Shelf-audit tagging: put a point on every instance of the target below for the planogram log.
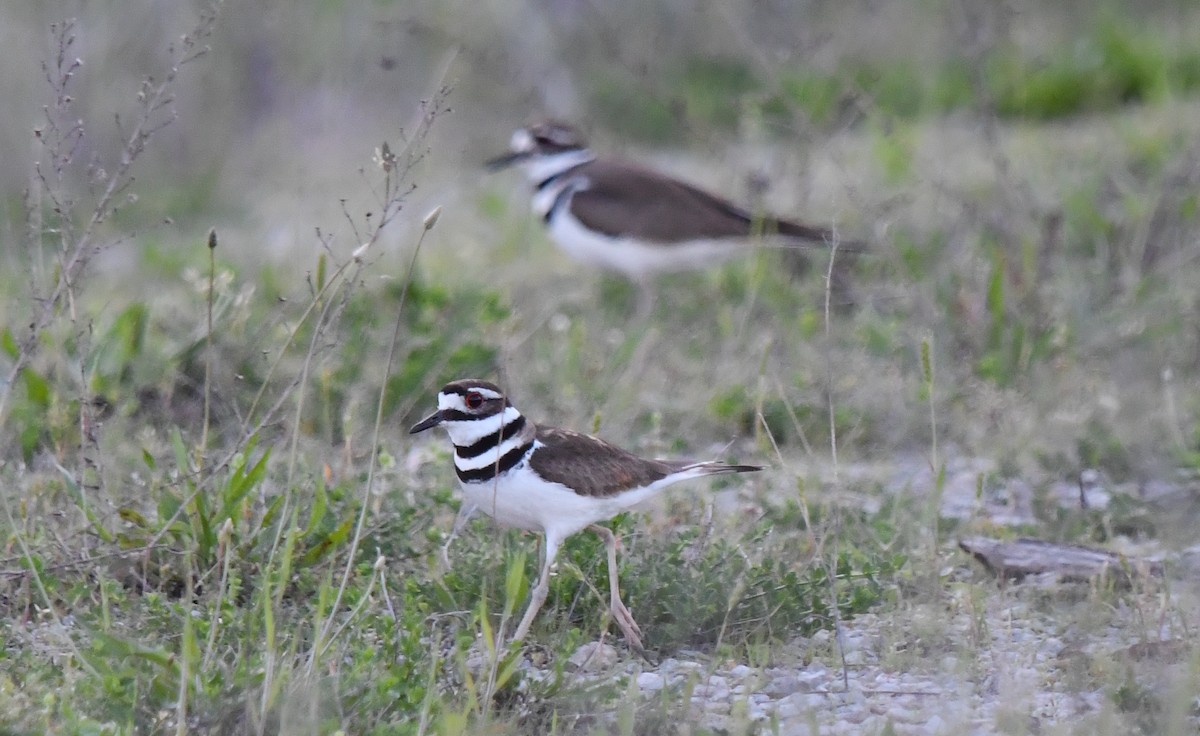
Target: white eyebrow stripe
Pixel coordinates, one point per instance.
(457, 401)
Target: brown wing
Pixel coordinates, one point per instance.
(626, 200)
(591, 466)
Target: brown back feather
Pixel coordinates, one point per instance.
(616, 190)
(591, 466)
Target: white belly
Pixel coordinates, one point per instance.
(639, 260)
(523, 500)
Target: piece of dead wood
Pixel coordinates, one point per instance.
(1168, 651)
(1021, 557)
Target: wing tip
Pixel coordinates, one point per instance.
(719, 468)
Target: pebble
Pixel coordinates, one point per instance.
(741, 672)
(717, 690)
(924, 695)
(906, 715)
(783, 685)
(799, 703)
(593, 657)
(757, 712)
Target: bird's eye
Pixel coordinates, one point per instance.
(474, 399)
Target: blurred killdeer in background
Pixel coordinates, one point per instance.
(550, 480)
(632, 220)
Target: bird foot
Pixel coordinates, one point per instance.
(629, 627)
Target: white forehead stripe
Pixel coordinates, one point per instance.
(521, 141)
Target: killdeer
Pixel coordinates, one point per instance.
(549, 480)
(629, 219)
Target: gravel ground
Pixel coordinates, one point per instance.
(974, 655)
(1013, 666)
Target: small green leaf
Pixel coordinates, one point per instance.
(926, 362)
(37, 388)
(335, 538)
(513, 581)
(317, 513)
(8, 344)
(133, 517)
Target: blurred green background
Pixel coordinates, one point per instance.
(1017, 167)
(1025, 173)
(294, 94)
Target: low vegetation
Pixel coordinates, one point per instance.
(213, 521)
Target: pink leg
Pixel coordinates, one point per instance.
(620, 613)
(540, 591)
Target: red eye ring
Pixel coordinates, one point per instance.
(474, 399)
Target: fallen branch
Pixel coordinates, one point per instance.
(1018, 558)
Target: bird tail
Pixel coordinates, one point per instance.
(699, 470)
(790, 229)
(797, 230)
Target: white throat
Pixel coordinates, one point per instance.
(539, 168)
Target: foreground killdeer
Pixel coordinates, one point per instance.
(632, 220)
(550, 480)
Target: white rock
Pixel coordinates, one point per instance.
(712, 691)
(799, 728)
(799, 704)
(853, 641)
(779, 687)
(650, 681)
(856, 657)
(788, 708)
(593, 657)
(906, 715)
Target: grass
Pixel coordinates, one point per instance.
(1113, 63)
(212, 519)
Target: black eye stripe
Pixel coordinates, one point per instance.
(454, 415)
(489, 408)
